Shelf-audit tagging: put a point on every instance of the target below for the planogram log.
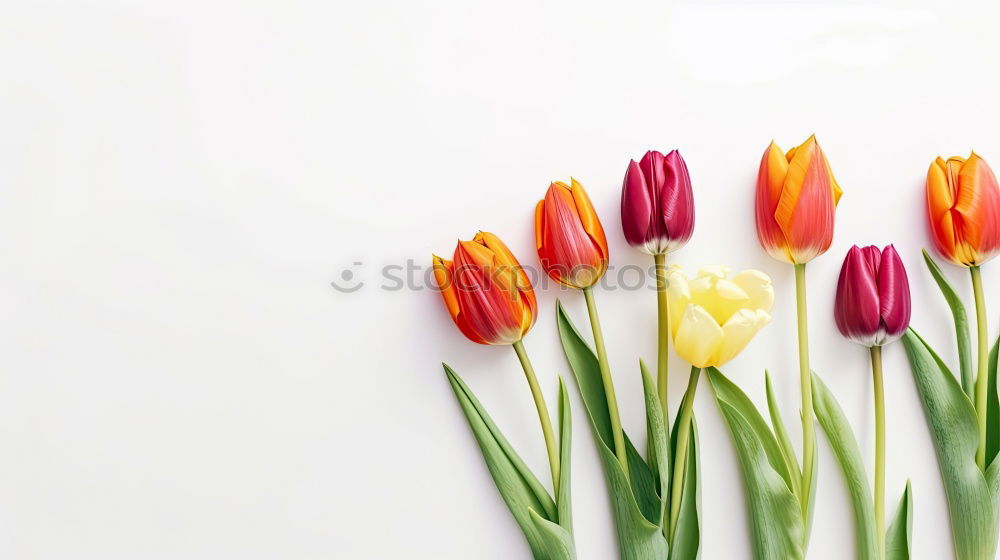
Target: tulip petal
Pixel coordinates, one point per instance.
(770, 180)
(698, 337)
(678, 295)
(856, 310)
(893, 295)
(511, 275)
(444, 278)
(737, 331)
(588, 217)
(758, 288)
(637, 207)
(676, 202)
(977, 210)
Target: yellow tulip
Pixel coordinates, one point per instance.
(714, 315)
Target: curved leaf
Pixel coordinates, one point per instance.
(845, 448)
(639, 538)
(954, 429)
(784, 442)
(992, 408)
(687, 534)
(900, 532)
(564, 507)
(961, 325)
(656, 440)
(776, 522)
(529, 503)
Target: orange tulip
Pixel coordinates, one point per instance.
(569, 237)
(963, 206)
(486, 291)
(796, 199)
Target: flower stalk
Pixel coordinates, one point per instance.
(876, 355)
(551, 446)
(663, 336)
(805, 378)
(609, 386)
(982, 375)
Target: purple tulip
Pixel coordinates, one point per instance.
(873, 297)
(657, 204)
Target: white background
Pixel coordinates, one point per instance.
(181, 181)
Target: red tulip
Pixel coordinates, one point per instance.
(486, 291)
(796, 200)
(873, 296)
(657, 204)
(570, 240)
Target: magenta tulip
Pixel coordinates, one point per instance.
(873, 296)
(657, 204)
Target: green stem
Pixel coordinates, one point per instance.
(663, 337)
(982, 376)
(609, 385)
(876, 352)
(680, 457)
(543, 415)
(805, 380)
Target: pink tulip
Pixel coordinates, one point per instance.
(873, 297)
(657, 204)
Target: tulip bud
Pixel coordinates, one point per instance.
(796, 199)
(873, 296)
(486, 291)
(963, 207)
(714, 316)
(657, 204)
(569, 237)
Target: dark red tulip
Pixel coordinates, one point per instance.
(873, 296)
(657, 204)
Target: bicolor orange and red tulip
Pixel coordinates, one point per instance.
(963, 207)
(872, 306)
(568, 235)
(486, 291)
(797, 196)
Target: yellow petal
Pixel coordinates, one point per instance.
(698, 337)
(757, 286)
(678, 295)
(737, 333)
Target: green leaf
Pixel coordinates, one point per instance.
(785, 443)
(656, 440)
(954, 429)
(687, 534)
(900, 532)
(961, 325)
(639, 538)
(527, 499)
(992, 408)
(845, 448)
(776, 523)
(564, 506)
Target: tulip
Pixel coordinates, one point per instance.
(574, 252)
(795, 203)
(657, 204)
(569, 237)
(658, 218)
(872, 308)
(713, 317)
(491, 300)
(796, 199)
(873, 297)
(486, 291)
(963, 208)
